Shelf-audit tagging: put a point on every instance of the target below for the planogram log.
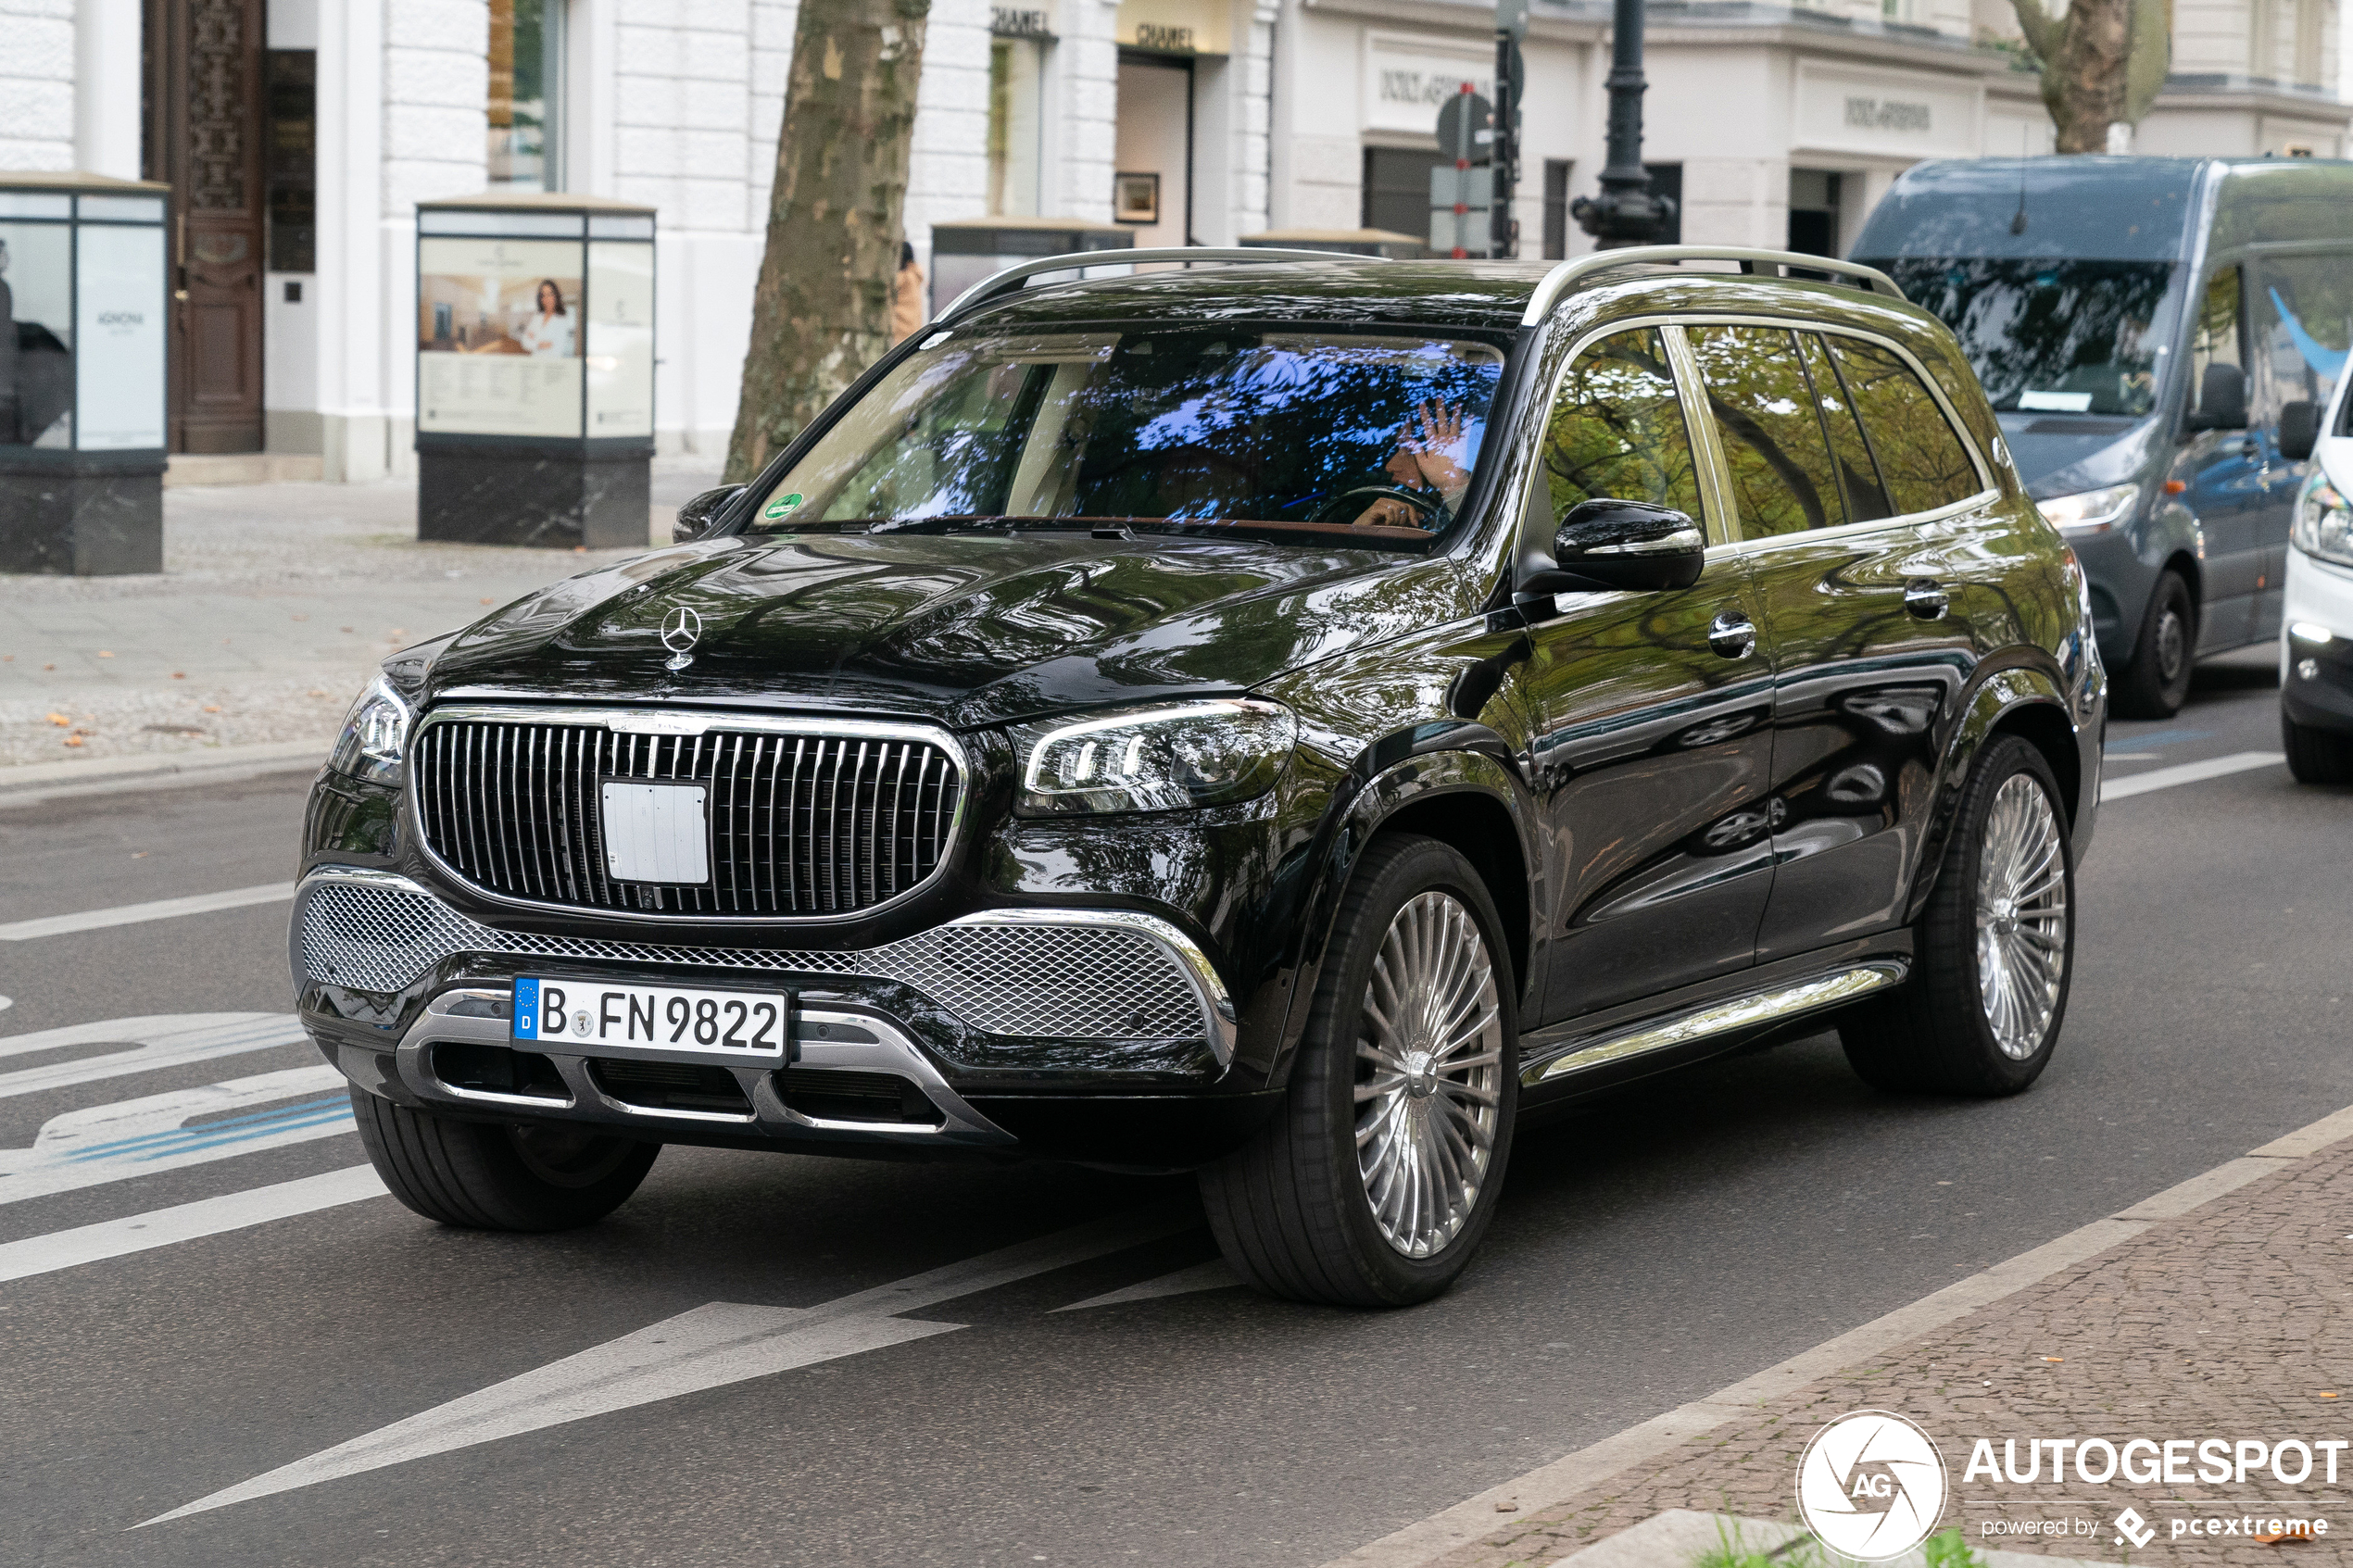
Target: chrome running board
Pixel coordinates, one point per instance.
(1716, 1018)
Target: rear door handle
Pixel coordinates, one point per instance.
(1925, 598)
(1732, 634)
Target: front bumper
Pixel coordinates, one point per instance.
(2316, 678)
(1036, 1013)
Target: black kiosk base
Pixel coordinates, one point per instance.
(556, 495)
(84, 515)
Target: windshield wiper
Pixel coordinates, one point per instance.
(976, 523)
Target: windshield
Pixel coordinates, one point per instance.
(1308, 434)
(2060, 337)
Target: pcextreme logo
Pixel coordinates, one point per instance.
(1871, 1485)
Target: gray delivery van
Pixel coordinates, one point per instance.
(2157, 335)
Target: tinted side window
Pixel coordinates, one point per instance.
(1616, 429)
(1774, 448)
(1921, 461)
(1857, 469)
(2304, 325)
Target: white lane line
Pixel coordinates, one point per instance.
(139, 1137)
(2189, 773)
(1215, 1274)
(708, 1347)
(132, 914)
(185, 1221)
(151, 1042)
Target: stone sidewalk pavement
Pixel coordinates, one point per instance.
(275, 603)
(2232, 1321)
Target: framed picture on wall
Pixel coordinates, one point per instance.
(1135, 199)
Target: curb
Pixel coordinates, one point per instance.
(1680, 1536)
(33, 783)
(1475, 1518)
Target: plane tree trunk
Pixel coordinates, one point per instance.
(821, 313)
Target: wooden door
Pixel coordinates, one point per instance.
(205, 137)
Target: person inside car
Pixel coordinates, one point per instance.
(1428, 461)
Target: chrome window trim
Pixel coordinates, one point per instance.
(1724, 514)
(679, 721)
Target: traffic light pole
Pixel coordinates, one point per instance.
(1511, 26)
(1627, 212)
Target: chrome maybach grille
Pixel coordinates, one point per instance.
(1059, 982)
(801, 825)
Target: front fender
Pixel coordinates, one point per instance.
(1397, 775)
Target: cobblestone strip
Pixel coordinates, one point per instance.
(2234, 1279)
(2232, 1319)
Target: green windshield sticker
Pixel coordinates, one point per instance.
(783, 505)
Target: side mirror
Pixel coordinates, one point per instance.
(1631, 544)
(2300, 429)
(697, 516)
(2221, 400)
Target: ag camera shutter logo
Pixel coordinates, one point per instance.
(1871, 1485)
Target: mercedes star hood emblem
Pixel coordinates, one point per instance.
(681, 630)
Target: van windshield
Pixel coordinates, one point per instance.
(1310, 435)
(2047, 336)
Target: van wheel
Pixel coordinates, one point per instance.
(488, 1176)
(2317, 757)
(1995, 950)
(1374, 1184)
(2158, 681)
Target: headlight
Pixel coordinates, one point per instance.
(374, 737)
(2324, 524)
(1160, 760)
(2090, 513)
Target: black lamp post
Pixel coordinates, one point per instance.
(1625, 213)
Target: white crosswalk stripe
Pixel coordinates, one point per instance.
(150, 1042)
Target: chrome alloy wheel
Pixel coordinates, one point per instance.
(2022, 916)
(1429, 1066)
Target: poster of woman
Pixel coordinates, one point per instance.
(498, 339)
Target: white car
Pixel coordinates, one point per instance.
(2316, 625)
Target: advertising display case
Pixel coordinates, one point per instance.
(82, 354)
(534, 369)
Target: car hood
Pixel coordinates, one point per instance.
(968, 630)
(2060, 454)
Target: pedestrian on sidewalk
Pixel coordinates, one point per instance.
(906, 297)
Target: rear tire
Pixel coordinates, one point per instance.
(1375, 1184)
(1995, 951)
(497, 1177)
(2317, 757)
(2164, 657)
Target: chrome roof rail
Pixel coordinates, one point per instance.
(1011, 278)
(1558, 281)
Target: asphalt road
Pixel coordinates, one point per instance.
(1653, 1250)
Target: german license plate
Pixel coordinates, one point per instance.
(672, 1022)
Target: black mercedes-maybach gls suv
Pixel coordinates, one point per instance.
(1288, 719)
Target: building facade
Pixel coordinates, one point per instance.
(298, 135)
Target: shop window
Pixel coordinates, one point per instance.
(1813, 211)
(526, 77)
(291, 160)
(1397, 188)
(1556, 170)
(1016, 93)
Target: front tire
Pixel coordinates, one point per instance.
(1376, 1183)
(2164, 657)
(1995, 951)
(487, 1176)
(2314, 756)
